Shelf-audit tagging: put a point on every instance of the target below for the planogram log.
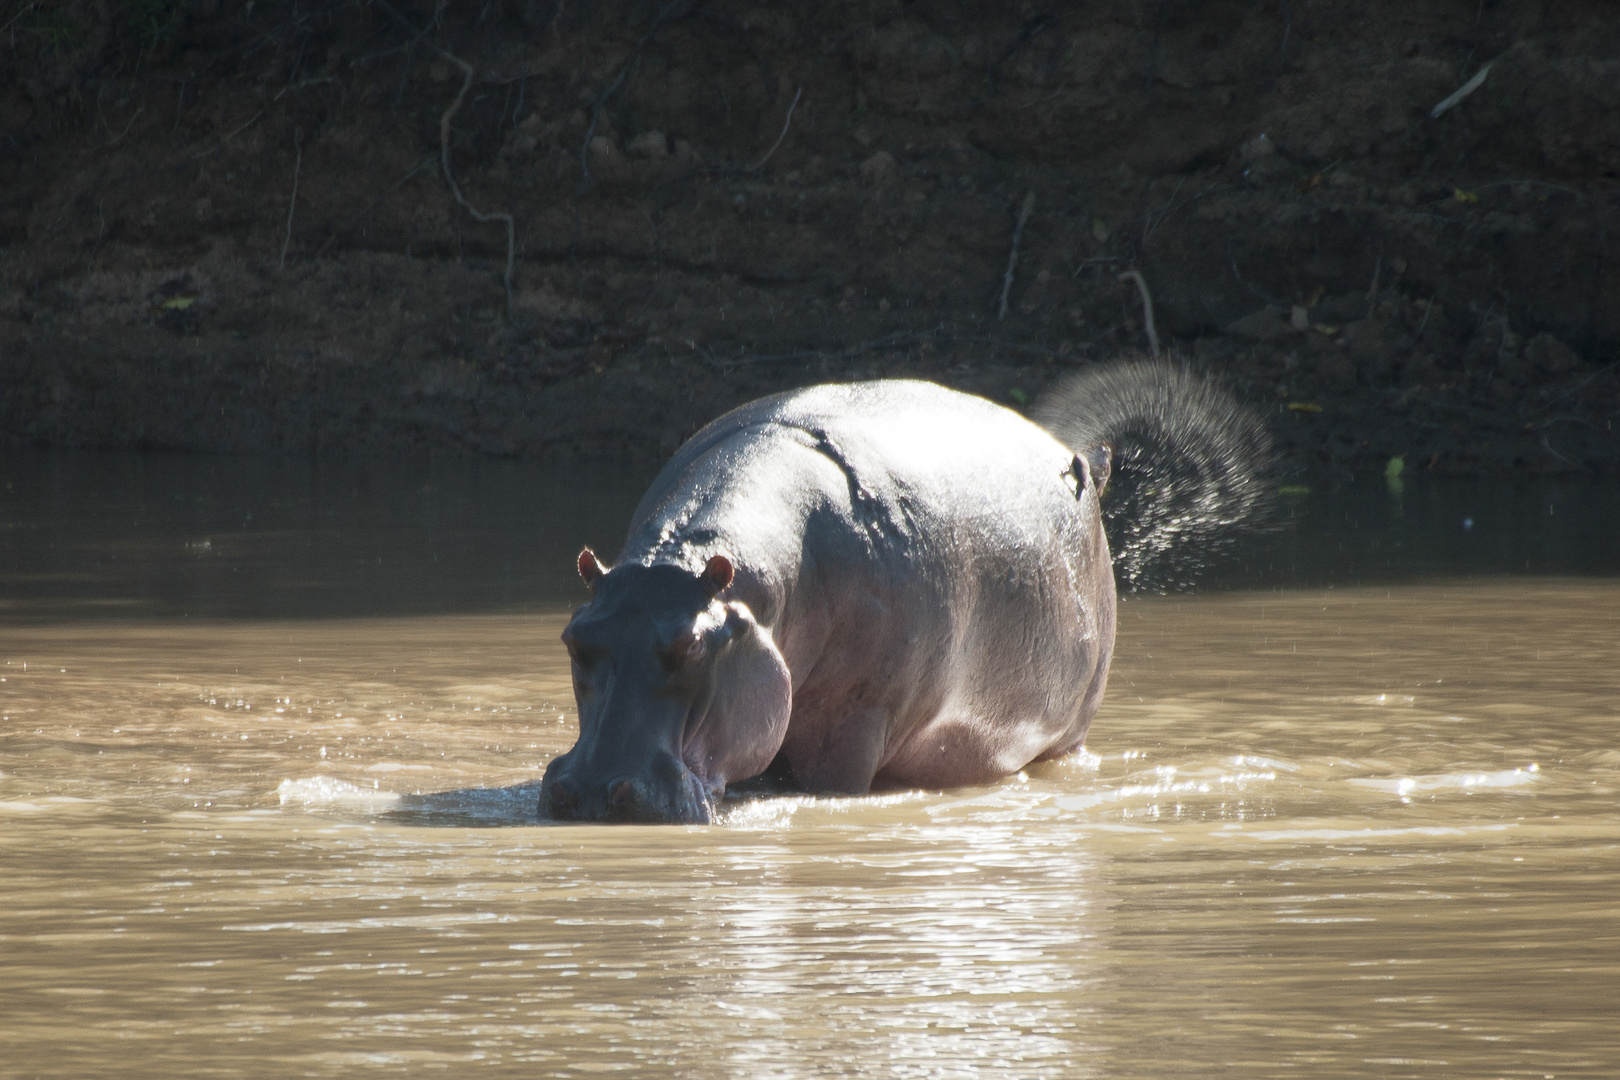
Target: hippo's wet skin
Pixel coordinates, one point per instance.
(879, 584)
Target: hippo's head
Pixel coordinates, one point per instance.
(679, 694)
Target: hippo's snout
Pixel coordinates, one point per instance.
(665, 793)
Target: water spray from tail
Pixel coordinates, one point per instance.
(1189, 467)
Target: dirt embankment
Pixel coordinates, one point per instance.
(226, 226)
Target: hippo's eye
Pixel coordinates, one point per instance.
(581, 654)
(685, 650)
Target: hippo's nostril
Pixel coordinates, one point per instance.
(622, 794)
(563, 797)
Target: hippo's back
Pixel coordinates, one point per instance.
(908, 432)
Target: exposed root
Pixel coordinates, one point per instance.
(1012, 257)
(444, 150)
(1147, 308)
(455, 189)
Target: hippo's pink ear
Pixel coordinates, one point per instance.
(590, 568)
(717, 575)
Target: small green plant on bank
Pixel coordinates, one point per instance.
(51, 24)
(153, 20)
(58, 27)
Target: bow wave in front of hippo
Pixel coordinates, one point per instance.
(884, 584)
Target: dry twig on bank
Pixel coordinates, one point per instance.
(761, 162)
(116, 139)
(1467, 88)
(444, 151)
(1427, 310)
(1147, 308)
(219, 148)
(292, 204)
(1012, 258)
(455, 189)
(1153, 221)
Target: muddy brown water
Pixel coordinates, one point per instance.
(266, 810)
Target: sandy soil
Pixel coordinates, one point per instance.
(225, 227)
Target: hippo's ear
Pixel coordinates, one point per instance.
(591, 569)
(1100, 461)
(717, 575)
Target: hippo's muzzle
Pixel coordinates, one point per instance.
(663, 791)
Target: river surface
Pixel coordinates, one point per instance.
(271, 735)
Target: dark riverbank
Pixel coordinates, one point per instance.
(773, 196)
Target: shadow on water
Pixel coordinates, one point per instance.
(1379, 530)
(518, 804)
(155, 536)
(168, 536)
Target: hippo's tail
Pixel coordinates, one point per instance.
(1188, 466)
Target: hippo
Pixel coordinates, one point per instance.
(871, 585)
